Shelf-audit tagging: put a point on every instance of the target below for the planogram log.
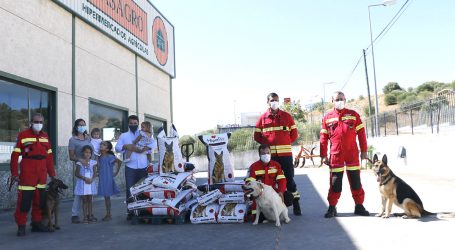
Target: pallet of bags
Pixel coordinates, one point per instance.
(232, 213)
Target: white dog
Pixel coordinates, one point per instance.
(267, 201)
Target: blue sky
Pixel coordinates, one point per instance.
(230, 54)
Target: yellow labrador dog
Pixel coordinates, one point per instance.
(267, 201)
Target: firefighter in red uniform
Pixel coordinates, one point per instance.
(37, 161)
(277, 129)
(268, 172)
(341, 127)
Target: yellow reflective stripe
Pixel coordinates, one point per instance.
(259, 172)
(276, 128)
(26, 188)
(43, 140)
(25, 140)
(282, 146)
(41, 186)
(351, 168)
(331, 120)
(253, 211)
(335, 170)
(281, 176)
(296, 194)
(258, 130)
(293, 127)
(17, 150)
(272, 171)
(324, 131)
(359, 127)
(250, 179)
(348, 117)
(49, 151)
(284, 151)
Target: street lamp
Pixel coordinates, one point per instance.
(376, 110)
(323, 97)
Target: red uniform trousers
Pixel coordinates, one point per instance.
(337, 163)
(31, 190)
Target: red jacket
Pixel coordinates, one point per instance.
(270, 174)
(32, 146)
(341, 127)
(278, 131)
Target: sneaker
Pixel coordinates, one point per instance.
(360, 210)
(92, 219)
(331, 212)
(21, 231)
(75, 220)
(296, 207)
(38, 227)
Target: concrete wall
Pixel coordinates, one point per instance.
(36, 45)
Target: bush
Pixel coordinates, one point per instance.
(390, 99)
(391, 86)
(366, 110)
(361, 97)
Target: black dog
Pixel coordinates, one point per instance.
(50, 212)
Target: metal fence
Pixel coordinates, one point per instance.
(423, 117)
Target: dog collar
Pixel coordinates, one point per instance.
(387, 180)
(259, 195)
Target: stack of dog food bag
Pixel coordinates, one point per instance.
(168, 188)
(221, 200)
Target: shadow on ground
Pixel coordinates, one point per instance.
(309, 231)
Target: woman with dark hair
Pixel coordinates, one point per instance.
(79, 139)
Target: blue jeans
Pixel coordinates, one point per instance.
(132, 176)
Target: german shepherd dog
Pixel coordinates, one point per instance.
(51, 211)
(218, 168)
(168, 161)
(394, 190)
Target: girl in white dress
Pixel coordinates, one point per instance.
(86, 172)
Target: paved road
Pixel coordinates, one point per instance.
(310, 231)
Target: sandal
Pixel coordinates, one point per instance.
(85, 221)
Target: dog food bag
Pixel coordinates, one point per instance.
(190, 204)
(175, 203)
(232, 213)
(160, 193)
(204, 214)
(236, 197)
(220, 168)
(165, 210)
(208, 198)
(171, 181)
(170, 156)
(224, 187)
(143, 184)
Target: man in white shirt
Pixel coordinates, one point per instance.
(136, 168)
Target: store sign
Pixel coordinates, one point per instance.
(134, 23)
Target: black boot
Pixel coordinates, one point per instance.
(360, 210)
(331, 212)
(296, 207)
(38, 227)
(21, 230)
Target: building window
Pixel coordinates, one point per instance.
(156, 125)
(111, 121)
(17, 104)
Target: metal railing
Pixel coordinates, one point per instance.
(422, 117)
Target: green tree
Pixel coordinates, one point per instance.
(391, 86)
(296, 111)
(366, 110)
(429, 86)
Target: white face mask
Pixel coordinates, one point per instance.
(339, 105)
(274, 105)
(37, 127)
(265, 158)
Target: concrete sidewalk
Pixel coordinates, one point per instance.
(310, 231)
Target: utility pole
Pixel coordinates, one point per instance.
(368, 89)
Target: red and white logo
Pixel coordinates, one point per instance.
(160, 41)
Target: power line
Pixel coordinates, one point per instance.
(380, 36)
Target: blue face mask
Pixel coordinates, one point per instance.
(81, 129)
